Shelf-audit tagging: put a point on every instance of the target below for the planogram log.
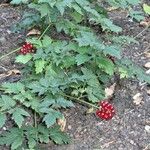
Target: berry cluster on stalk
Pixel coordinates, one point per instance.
(27, 48)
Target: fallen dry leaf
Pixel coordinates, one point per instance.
(90, 110)
(62, 123)
(13, 72)
(145, 23)
(148, 92)
(112, 8)
(9, 73)
(147, 65)
(137, 99)
(34, 32)
(147, 54)
(110, 91)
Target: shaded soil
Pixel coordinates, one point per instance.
(126, 131)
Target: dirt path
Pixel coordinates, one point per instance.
(126, 131)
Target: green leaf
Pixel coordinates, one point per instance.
(39, 65)
(2, 119)
(32, 135)
(61, 102)
(137, 15)
(58, 136)
(113, 51)
(14, 87)
(94, 89)
(50, 2)
(146, 8)
(81, 59)
(106, 64)
(62, 4)
(46, 41)
(6, 102)
(13, 137)
(43, 134)
(19, 2)
(51, 116)
(123, 72)
(36, 87)
(43, 8)
(23, 58)
(18, 116)
(107, 24)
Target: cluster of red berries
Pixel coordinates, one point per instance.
(106, 110)
(26, 48)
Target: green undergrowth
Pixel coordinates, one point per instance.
(73, 68)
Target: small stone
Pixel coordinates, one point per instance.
(4, 128)
(69, 127)
(147, 128)
(147, 65)
(2, 40)
(132, 142)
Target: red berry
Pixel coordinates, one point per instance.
(27, 48)
(106, 110)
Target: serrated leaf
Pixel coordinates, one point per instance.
(59, 137)
(32, 135)
(46, 41)
(6, 102)
(13, 137)
(50, 2)
(113, 51)
(80, 59)
(13, 87)
(146, 8)
(107, 24)
(61, 5)
(36, 87)
(19, 1)
(51, 116)
(18, 116)
(43, 8)
(123, 72)
(23, 58)
(39, 65)
(2, 119)
(43, 134)
(61, 102)
(106, 64)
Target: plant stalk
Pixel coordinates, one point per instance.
(82, 101)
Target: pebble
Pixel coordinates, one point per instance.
(69, 127)
(147, 128)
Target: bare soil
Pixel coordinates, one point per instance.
(126, 131)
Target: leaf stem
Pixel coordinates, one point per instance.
(35, 121)
(44, 31)
(3, 56)
(82, 101)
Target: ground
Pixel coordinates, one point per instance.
(126, 131)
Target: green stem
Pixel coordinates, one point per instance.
(10, 53)
(82, 101)
(44, 31)
(35, 121)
